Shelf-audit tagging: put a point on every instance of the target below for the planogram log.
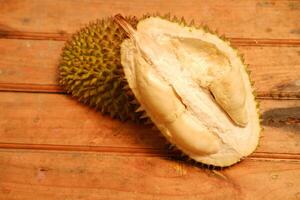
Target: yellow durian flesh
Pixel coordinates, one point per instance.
(216, 131)
(212, 69)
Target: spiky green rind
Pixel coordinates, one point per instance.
(90, 69)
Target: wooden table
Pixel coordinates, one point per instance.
(52, 147)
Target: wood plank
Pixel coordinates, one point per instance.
(275, 70)
(281, 123)
(57, 122)
(60, 175)
(29, 62)
(29, 65)
(60, 120)
(237, 19)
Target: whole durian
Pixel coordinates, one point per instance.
(90, 69)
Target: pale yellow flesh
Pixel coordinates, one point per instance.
(163, 70)
(213, 70)
(167, 108)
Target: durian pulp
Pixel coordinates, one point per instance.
(221, 141)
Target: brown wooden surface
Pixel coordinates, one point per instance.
(52, 147)
(75, 175)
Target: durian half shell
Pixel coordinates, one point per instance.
(194, 87)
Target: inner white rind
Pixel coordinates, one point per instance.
(236, 142)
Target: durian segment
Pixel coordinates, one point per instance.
(157, 94)
(229, 92)
(90, 69)
(213, 70)
(154, 43)
(170, 113)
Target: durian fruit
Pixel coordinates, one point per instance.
(194, 87)
(90, 69)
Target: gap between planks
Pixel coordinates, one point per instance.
(145, 152)
(66, 36)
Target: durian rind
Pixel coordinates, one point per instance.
(90, 69)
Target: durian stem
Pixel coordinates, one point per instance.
(123, 23)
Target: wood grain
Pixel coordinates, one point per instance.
(281, 123)
(237, 19)
(52, 119)
(30, 65)
(52, 147)
(29, 62)
(275, 70)
(61, 175)
(57, 119)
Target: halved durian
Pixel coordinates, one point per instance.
(194, 87)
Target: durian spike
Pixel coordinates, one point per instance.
(144, 116)
(192, 23)
(167, 16)
(139, 109)
(149, 122)
(154, 128)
